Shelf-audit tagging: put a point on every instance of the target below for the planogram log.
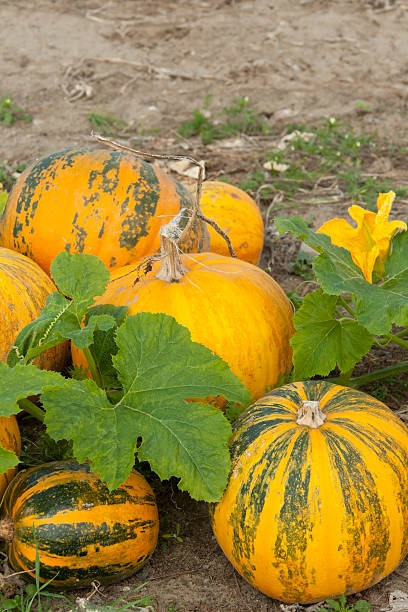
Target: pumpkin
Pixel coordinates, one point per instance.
(316, 504)
(230, 306)
(238, 215)
(10, 440)
(106, 203)
(24, 287)
(82, 531)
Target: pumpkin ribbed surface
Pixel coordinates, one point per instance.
(83, 532)
(232, 307)
(24, 288)
(10, 440)
(106, 203)
(315, 513)
(238, 215)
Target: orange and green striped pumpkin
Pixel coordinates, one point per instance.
(24, 288)
(10, 440)
(82, 531)
(103, 202)
(238, 215)
(317, 500)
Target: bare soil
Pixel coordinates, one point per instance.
(152, 63)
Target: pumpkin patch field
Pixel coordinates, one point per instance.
(204, 306)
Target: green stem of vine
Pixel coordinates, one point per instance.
(95, 373)
(395, 338)
(31, 408)
(344, 378)
(346, 306)
(364, 379)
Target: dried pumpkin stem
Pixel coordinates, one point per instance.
(7, 529)
(172, 268)
(311, 414)
(219, 230)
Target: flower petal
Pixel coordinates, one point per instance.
(371, 239)
(340, 231)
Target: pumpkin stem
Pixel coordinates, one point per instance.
(311, 414)
(7, 529)
(172, 268)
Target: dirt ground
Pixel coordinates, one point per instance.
(152, 63)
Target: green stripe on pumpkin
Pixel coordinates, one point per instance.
(251, 497)
(359, 491)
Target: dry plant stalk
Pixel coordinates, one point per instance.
(196, 212)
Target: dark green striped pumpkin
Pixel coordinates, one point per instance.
(317, 500)
(82, 531)
(106, 203)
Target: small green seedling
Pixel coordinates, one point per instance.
(340, 605)
(107, 125)
(174, 536)
(239, 118)
(11, 113)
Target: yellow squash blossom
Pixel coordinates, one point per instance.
(369, 242)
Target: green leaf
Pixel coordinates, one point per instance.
(164, 359)
(20, 382)
(159, 367)
(323, 341)
(80, 277)
(104, 344)
(362, 606)
(8, 460)
(84, 336)
(334, 605)
(336, 262)
(379, 306)
(40, 334)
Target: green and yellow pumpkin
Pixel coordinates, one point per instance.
(24, 288)
(103, 202)
(82, 531)
(317, 500)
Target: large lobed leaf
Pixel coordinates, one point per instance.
(323, 341)
(159, 368)
(17, 384)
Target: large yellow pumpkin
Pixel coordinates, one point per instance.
(24, 288)
(106, 203)
(317, 500)
(231, 306)
(238, 215)
(10, 440)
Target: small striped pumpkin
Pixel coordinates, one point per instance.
(10, 440)
(24, 288)
(82, 531)
(317, 500)
(106, 203)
